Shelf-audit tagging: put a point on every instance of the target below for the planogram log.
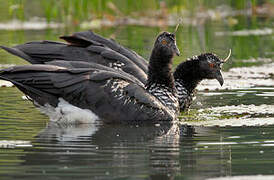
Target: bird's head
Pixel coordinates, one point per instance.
(166, 44)
(211, 65)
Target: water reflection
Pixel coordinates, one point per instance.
(171, 151)
(106, 151)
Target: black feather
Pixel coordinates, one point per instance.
(113, 95)
(90, 47)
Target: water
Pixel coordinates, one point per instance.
(126, 152)
(33, 148)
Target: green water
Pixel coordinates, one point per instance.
(100, 151)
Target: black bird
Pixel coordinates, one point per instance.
(191, 72)
(90, 47)
(112, 95)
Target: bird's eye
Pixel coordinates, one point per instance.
(211, 65)
(164, 42)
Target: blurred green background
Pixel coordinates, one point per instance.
(77, 11)
(245, 26)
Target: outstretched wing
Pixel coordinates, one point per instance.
(45, 51)
(89, 38)
(110, 95)
(82, 64)
(39, 52)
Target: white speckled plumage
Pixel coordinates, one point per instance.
(181, 90)
(116, 65)
(165, 96)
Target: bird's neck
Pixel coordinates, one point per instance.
(188, 74)
(160, 71)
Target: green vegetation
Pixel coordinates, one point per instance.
(76, 11)
(197, 35)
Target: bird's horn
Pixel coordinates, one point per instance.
(227, 56)
(176, 28)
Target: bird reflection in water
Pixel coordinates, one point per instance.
(104, 150)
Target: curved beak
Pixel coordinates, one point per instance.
(219, 77)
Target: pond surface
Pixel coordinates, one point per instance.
(32, 148)
(100, 151)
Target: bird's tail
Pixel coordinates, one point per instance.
(17, 52)
(35, 95)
